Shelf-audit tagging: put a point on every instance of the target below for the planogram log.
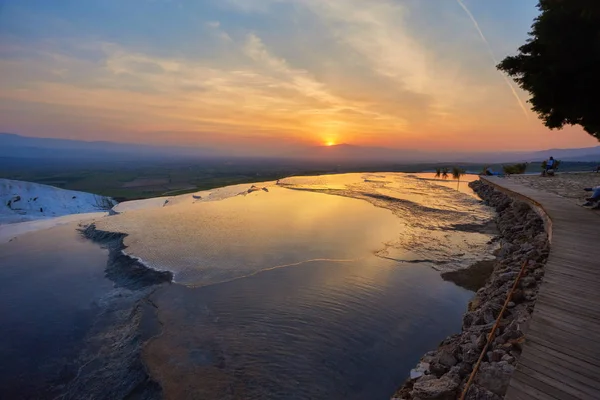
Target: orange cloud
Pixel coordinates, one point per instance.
(372, 82)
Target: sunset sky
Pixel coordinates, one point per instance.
(263, 75)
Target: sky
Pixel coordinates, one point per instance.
(260, 76)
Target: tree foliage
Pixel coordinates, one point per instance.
(559, 65)
(457, 173)
(445, 171)
(515, 168)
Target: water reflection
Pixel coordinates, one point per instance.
(323, 331)
(204, 243)
(318, 288)
(441, 226)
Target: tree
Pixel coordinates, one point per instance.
(559, 64)
(445, 171)
(515, 168)
(438, 172)
(457, 173)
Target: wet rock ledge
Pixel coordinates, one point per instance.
(123, 270)
(110, 363)
(443, 373)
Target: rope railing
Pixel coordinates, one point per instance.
(491, 334)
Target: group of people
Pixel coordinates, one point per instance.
(593, 201)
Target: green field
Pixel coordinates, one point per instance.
(144, 181)
(129, 181)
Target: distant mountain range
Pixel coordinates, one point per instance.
(383, 154)
(17, 146)
(583, 154)
(23, 147)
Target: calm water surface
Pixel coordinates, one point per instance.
(205, 243)
(286, 293)
(51, 283)
(320, 331)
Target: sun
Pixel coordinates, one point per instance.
(330, 143)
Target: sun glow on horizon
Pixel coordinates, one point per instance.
(246, 78)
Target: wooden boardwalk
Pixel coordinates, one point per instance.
(561, 354)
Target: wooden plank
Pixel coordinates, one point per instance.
(572, 344)
(575, 227)
(563, 355)
(573, 221)
(568, 303)
(567, 339)
(571, 253)
(571, 236)
(574, 271)
(551, 283)
(573, 288)
(567, 249)
(561, 280)
(563, 272)
(580, 239)
(534, 337)
(521, 391)
(544, 311)
(590, 307)
(523, 380)
(573, 261)
(563, 373)
(570, 278)
(578, 288)
(575, 329)
(578, 268)
(577, 281)
(576, 264)
(563, 362)
(574, 309)
(555, 387)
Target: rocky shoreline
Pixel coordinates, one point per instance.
(442, 374)
(110, 364)
(123, 270)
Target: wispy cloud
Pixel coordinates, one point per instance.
(265, 71)
(403, 77)
(263, 95)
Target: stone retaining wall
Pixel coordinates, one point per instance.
(441, 374)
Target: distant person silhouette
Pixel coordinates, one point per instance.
(490, 172)
(550, 164)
